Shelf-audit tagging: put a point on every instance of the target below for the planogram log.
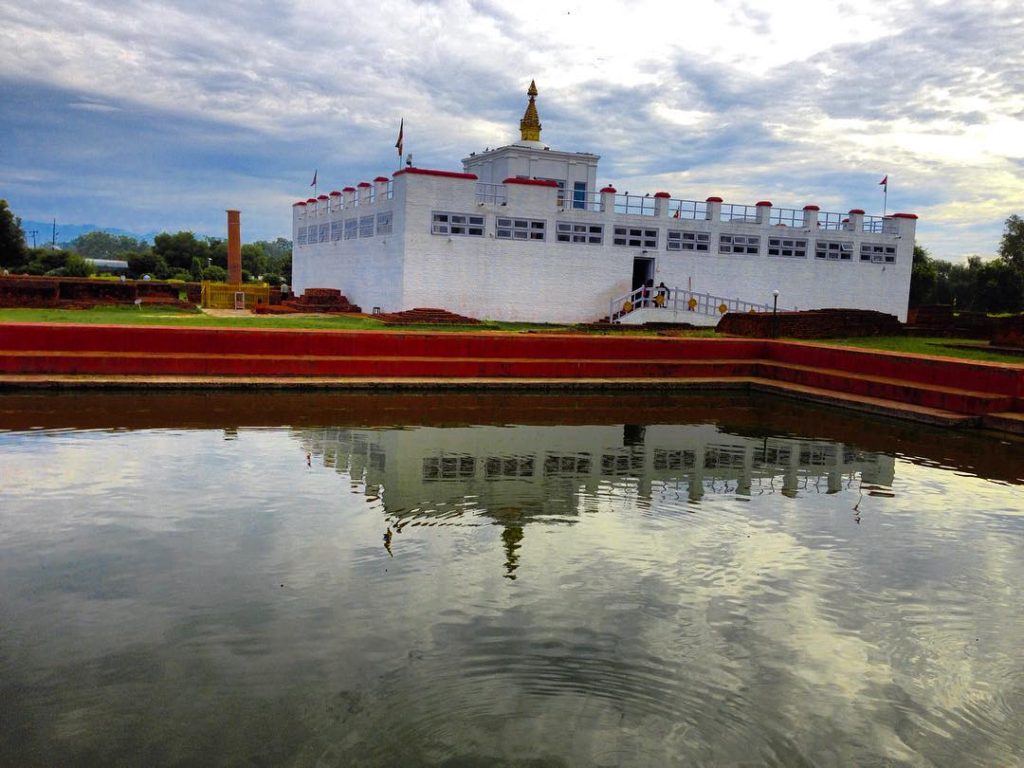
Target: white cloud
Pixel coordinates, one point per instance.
(739, 96)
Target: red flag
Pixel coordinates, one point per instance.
(401, 138)
(885, 181)
(313, 182)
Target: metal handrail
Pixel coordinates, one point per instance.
(694, 210)
(678, 300)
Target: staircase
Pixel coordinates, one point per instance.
(937, 390)
(676, 306)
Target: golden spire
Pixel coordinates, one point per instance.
(529, 126)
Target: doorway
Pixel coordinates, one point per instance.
(643, 270)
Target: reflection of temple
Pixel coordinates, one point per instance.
(513, 474)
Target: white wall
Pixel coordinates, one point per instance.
(548, 281)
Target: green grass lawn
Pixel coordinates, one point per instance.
(120, 315)
(926, 345)
(155, 315)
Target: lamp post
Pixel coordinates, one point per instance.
(775, 313)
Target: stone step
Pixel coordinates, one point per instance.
(953, 399)
(881, 406)
(1006, 421)
(198, 364)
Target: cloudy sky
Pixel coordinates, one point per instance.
(154, 116)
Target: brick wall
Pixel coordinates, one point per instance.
(1008, 332)
(21, 291)
(813, 324)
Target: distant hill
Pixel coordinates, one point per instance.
(68, 232)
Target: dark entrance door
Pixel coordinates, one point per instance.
(643, 270)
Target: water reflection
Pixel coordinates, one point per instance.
(512, 475)
(575, 581)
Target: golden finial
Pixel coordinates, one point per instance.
(529, 126)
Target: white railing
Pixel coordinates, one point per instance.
(786, 217)
(637, 205)
(491, 194)
(580, 201)
(737, 213)
(692, 210)
(834, 221)
(679, 300)
(874, 224)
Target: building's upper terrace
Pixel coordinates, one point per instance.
(515, 194)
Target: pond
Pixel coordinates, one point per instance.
(503, 580)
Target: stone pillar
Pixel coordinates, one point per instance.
(234, 247)
(661, 204)
(764, 212)
(856, 220)
(811, 217)
(382, 188)
(714, 209)
(336, 204)
(906, 224)
(608, 199)
(364, 192)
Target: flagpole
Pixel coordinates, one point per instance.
(885, 199)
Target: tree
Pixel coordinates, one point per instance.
(215, 274)
(103, 245)
(178, 250)
(1011, 249)
(923, 278)
(254, 259)
(76, 266)
(148, 263)
(12, 238)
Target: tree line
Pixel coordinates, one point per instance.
(995, 286)
(179, 256)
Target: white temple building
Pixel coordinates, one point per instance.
(522, 232)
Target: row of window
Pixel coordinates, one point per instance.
(348, 229)
(625, 461)
(511, 228)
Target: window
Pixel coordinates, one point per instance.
(384, 223)
(457, 224)
(688, 241)
(508, 467)
(579, 195)
(519, 229)
(636, 237)
(787, 246)
(325, 232)
(351, 228)
(724, 456)
(448, 468)
(879, 254)
(835, 250)
(300, 236)
(570, 232)
(570, 465)
(336, 230)
(739, 244)
(622, 463)
(366, 226)
(672, 459)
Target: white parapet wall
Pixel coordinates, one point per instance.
(523, 249)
